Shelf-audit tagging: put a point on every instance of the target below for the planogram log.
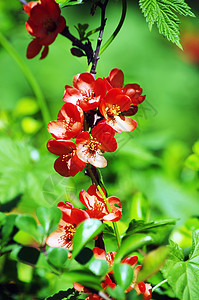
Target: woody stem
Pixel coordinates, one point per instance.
(99, 41)
(106, 202)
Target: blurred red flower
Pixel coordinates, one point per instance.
(97, 208)
(44, 23)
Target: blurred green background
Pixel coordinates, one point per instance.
(154, 160)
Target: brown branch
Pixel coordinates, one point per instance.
(99, 41)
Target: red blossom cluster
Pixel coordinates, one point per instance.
(94, 110)
(141, 288)
(44, 23)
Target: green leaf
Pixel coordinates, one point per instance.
(123, 274)
(152, 263)
(2, 218)
(57, 257)
(136, 226)
(7, 229)
(29, 225)
(139, 207)
(116, 292)
(164, 14)
(132, 243)
(196, 147)
(69, 2)
(183, 274)
(85, 232)
(49, 218)
(99, 267)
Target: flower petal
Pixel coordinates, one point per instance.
(116, 78)
(33, 48)
(60, 147)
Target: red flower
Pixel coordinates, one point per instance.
(112, 107)
(86, 91)
(90, 147)
(97, 208)
(44, 23)
(68, 163)
(69, 122)
(71, 218)
(141, 287)
(116, 80)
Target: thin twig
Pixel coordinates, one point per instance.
(87, 48)
(99, 41)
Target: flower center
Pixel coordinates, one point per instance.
(87, 95)
(68, 235)
(50, 26)
(66, 157)
(67, 124)
(113, 111)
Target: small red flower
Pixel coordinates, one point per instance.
(116, 80)
(97, 208)
(68, 163)
(71, 218)
(69, 122)
(44, 23)
(90, 147)
(86, 91)
(112, 107)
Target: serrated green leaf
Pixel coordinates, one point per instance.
(183, 274)
(123, 274)
(29, 225)
(57, 257)
(164, 14)
(49, 218)
(132, 243)
(152, 263)
(85, 232)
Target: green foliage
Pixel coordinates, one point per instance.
(132, 243)
(63, 3)
(140, 207)
(182, 273)
(99, 267)
(136, 226)
(123, 274)
(116, 293)
(71, 294)
(152, 263)
(49, 218)
(164, 13)
(192, 160)
(86, 231)
(57, 257)
(29, 225)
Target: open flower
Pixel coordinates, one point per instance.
(141, 288)
(112, 107)
(68, 163)
(71, 218)
(86, 91)
(90, 147)
(44, 23)
(116, 80)
(69, 122)
(96, 206)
